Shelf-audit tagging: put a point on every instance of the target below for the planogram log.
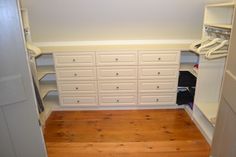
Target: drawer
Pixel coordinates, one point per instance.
(81, 100)
(117, 86)
(116, 58)
(77, 87)
(159, 57)
(82, 73)
(74, 59)
(117, 73)
(158, 86)
(155, 72)
(157, 99)
(118, 100)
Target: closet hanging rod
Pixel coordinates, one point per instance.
(210, 29)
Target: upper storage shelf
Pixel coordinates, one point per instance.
(224, 26)
(221, 5)
(219, 15)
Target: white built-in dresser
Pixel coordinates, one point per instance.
(117, 78)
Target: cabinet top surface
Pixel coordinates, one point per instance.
(148, 47)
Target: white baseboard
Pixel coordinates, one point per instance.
(61, 108)
(203, 125)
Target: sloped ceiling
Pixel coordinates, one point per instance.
(91, 20)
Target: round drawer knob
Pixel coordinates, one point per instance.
(159, 59)
(117, 88)
(117, 100)
(78, 101)
(75, 74)
(76, 88)
(158, 87)
(157, 100)
(74, 60)
(117, 74)
(158, 73)
(117, 59)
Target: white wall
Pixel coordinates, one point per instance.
(82, 20)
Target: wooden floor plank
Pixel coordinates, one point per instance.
(149, 133)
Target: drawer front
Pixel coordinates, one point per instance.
(148, 72)
(157, 98)
(81, 100)
(118, 100)
(117, 87)
(116, 58)
(78, 87)
(157, 86)
(117, 73)
(75, 59)
(158, 57)
(76, 74)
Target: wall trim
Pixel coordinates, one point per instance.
(114, 42)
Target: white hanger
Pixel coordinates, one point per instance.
(213, 42)
(194, 46)
(216, 52)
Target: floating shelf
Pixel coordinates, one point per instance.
(188, 67)
(209, 110)
(44, 70)
(223, 26)
(46, 87)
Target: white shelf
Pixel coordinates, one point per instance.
(188, 67)
(50, 103)
(188, 110)
(44, 70)
(46, 87)
(209, 110)
(223, 26)
(221, 5)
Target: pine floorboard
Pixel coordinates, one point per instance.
(128, 133)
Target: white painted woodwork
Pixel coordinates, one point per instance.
(118, 99)
(80, 87)
(157, 98)
(117, 73)
(158, 57)
(224, 142)
(20, 132)
(6, 147)
(116, 58)
(211, 72)
(46, 86)
(115, 80)
(229, 86)
(82, 73)
(157, 72)
(224, 138)
(13, 90)
(219, 16)
(127, 86)
(79, 100)
(157, 85)
(75, 59)
(43, 70)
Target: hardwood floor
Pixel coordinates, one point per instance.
(133, 133)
